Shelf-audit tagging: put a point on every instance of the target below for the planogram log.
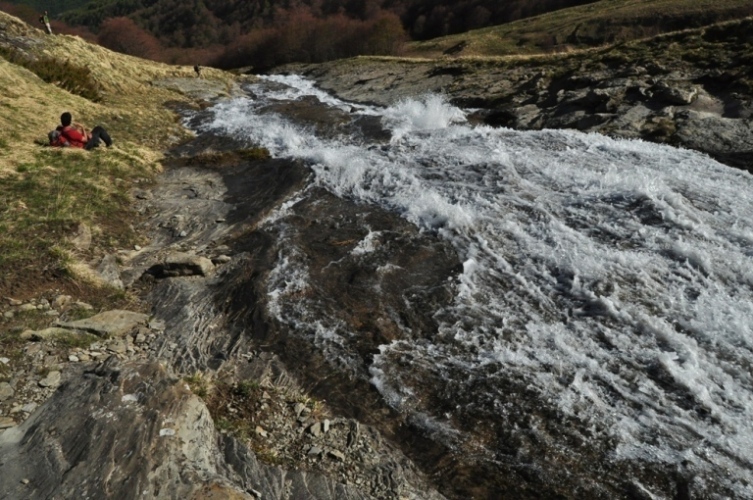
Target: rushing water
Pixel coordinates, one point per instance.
(612, 279)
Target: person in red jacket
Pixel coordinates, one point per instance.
(77, 136)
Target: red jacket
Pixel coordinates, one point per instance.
(74, 137)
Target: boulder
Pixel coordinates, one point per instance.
(110, 272)
(115, 323)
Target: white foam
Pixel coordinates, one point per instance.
(616, 276)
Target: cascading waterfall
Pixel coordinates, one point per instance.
(611, 277)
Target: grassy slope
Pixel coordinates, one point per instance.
(586, 26)
(47, 194)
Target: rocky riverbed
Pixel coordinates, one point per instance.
(197, 392)
(690, 89)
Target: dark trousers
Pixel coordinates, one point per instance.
(98, 134)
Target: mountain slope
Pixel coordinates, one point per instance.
(606, 21)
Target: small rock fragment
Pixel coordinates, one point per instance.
(6, 391)
(7, 422)
(315, 451)
(52, 380)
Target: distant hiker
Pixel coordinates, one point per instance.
(197, 69)
(74, 135)
(46, 21)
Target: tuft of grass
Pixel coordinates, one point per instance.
(246, 388)
(199, 384)
(11, 345)
(75, 340)
(254, 154)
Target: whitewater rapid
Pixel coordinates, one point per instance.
(612, 277)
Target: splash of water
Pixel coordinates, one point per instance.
(614, 277)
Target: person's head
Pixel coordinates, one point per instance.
(66, 119)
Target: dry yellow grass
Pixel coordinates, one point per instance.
(578, 27)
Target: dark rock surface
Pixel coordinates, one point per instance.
(134, 431)
(643, 90)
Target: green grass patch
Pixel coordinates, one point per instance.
(43, 203)
(198, 384)
(75, 340)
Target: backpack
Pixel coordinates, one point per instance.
(57, 139)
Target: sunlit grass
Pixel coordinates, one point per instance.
(598, 23)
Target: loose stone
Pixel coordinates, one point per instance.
(52, 380)
(316, 429)
(315, 451)
(299, 408)
(7, 422)
(6, 391)
(61, 301)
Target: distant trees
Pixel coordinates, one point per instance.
(299, 36)
(265, 33)
(122, 34)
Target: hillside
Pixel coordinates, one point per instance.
(40, 189)
(262, 35)
(592, 25)
(192, 24)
